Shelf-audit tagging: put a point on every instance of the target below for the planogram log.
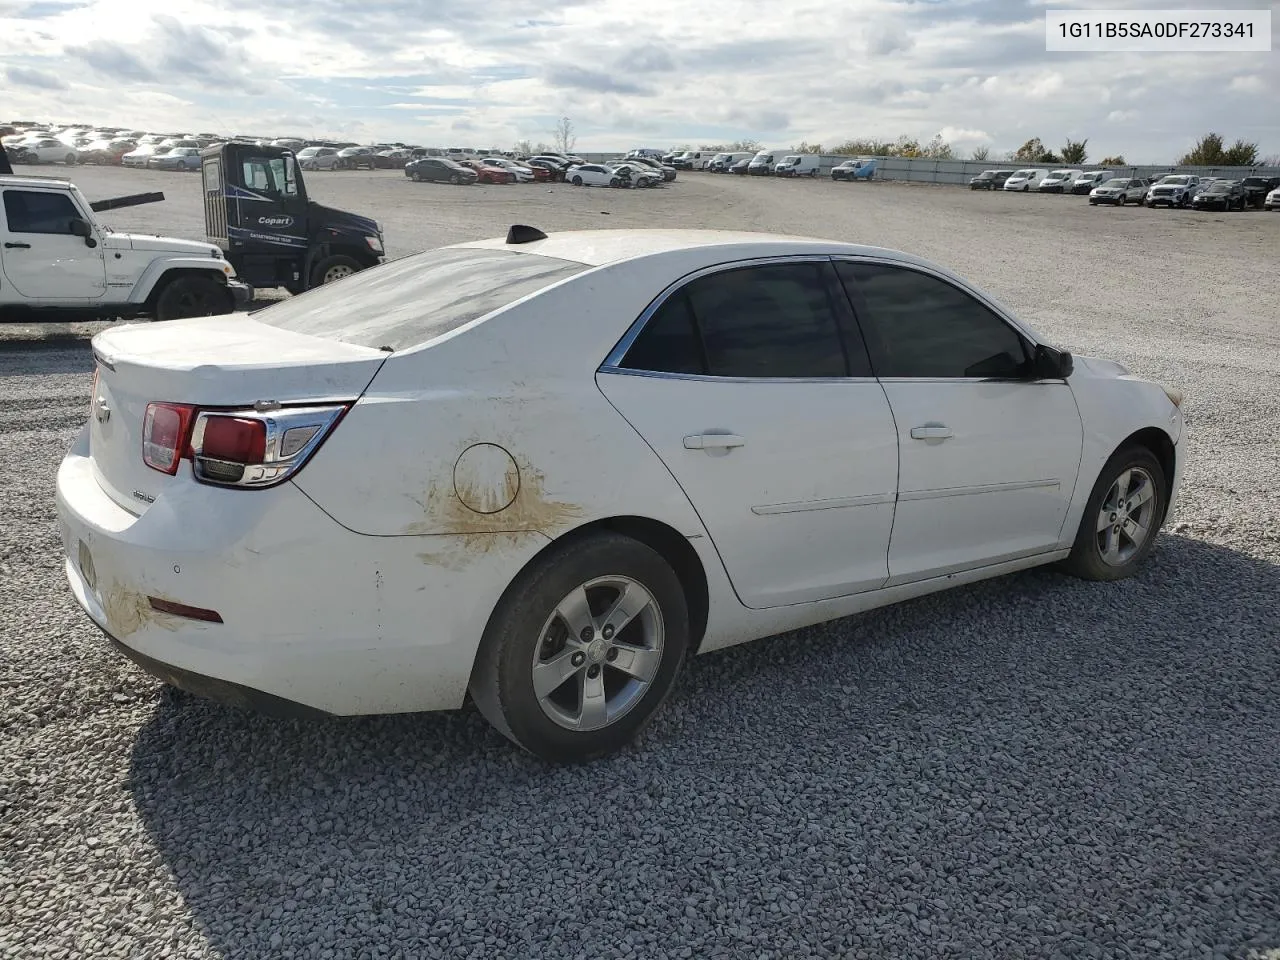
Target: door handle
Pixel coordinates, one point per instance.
(713, 441)
(931, 431)
(17, 246)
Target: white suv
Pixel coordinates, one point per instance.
(1175, 190)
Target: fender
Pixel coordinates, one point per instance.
(146, 284)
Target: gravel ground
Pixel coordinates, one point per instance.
(1032, 767)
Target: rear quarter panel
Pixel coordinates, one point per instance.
(522, 381)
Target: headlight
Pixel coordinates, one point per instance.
(375, 244)
(1174, 395)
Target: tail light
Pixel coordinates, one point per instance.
(245, 448)
(235, 448)
(165, 428)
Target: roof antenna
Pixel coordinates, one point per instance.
(523, 233)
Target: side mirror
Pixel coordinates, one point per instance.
(1052, 364)
(82, 229)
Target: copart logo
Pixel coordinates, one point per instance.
(275, 221)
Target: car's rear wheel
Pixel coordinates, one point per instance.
(1121, 519)
(582, 649)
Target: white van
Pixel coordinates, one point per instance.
(1024, 181)
(1059, 181)
(1090, 180)
(721, 162)
(762, 163)
(798, 165)
(693, 159)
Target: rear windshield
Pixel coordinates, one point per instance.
(407, 302)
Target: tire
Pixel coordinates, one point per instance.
(615, 182)
(1104, 554)
(333, 269)
(193, 296)
(455, 179)
(577, 181)
(70, 159)
(512, 648)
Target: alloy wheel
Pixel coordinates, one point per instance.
(600, 650)
(1126, 519)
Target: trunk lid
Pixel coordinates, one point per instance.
(226, 361)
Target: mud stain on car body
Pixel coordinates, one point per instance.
(127, 611)
(449, 509)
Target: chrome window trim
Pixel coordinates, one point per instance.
(1058, 381)
(612, 361)
(663, 375)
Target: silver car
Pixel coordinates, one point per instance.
(179, 158)
(318, 158)
(1118, 192)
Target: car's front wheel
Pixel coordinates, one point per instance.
(334, 268)
(193, 296)
(1121, 519)
(582, 649)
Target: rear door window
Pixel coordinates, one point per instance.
(407, 302)
(773, 321)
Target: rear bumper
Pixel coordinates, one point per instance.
(220, 691)
(314, 618)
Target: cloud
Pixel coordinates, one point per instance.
(595, 81)
(959, 135)
(884, 39)
(1046, 86)
(40, 79)
(1250, 84)
(659, 73)
(113, 60)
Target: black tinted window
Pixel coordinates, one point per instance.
(920, 326)
(669, 342)
(768, 321)
(28, 211)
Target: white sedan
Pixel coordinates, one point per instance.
(545, 469)
(45, 150)
(592, 175)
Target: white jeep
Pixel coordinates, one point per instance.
(58, 263)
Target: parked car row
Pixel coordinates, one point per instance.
(1184, 191)
(629, 171)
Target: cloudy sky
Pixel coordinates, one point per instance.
(627, 72)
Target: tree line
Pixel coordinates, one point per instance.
(1209, 150)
